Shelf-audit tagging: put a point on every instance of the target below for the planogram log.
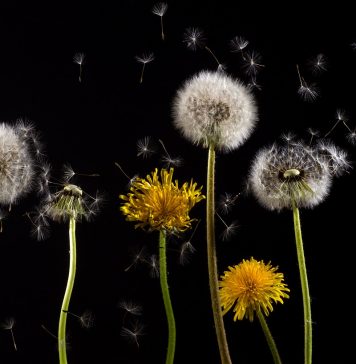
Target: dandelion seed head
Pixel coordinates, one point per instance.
(16, 163)
(158, 203)
(251, 286)
(282, 174)
(213, 108)
(194, 38)
(160, 8)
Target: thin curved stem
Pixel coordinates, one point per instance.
(68, 292)
(212, 260)
(166, 298)
(304, 284)
(271, 343)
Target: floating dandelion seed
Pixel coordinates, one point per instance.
(152, 262)
(9, 324)
(131, 307)
(187, 247)
(251, 286)
(139, 256)
(306, 91)
(340, 118)
(318, 64)
(86, 320)
(160, 9)
(351, 137)
(229, 229)
(144, 147)
(313, 133)
(227, 201)
(334, 157)
(144, 59)
(131, 179)
(168, 160)
(252, 62)
(133, 332)
(238, 44)
(194, 38)
(79, 59)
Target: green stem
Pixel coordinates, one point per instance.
(212, 260)
(166, 298)
(305, 287)
(269, 338)
(67, 294)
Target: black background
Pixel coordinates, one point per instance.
(97, 122)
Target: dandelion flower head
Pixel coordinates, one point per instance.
(295, 173)
(213, 108)
(251, 286)
(159, 203)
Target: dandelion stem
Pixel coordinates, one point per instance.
(67, 294)
(166, 298)
(271, 343)
(212, 261)
(304, 284)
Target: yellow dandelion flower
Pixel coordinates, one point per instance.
(251, 286)
(161, 204)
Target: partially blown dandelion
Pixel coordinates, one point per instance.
(68, 204)
(250, 288)
(158, 203)
(219, 113)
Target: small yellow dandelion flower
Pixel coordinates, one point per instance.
(251, 286)
(160, 204)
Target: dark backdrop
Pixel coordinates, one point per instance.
(97, 122)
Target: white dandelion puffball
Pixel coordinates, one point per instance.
(281, 174)
(16, 165)
(214, 109)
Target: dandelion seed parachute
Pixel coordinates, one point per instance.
(213, 108)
